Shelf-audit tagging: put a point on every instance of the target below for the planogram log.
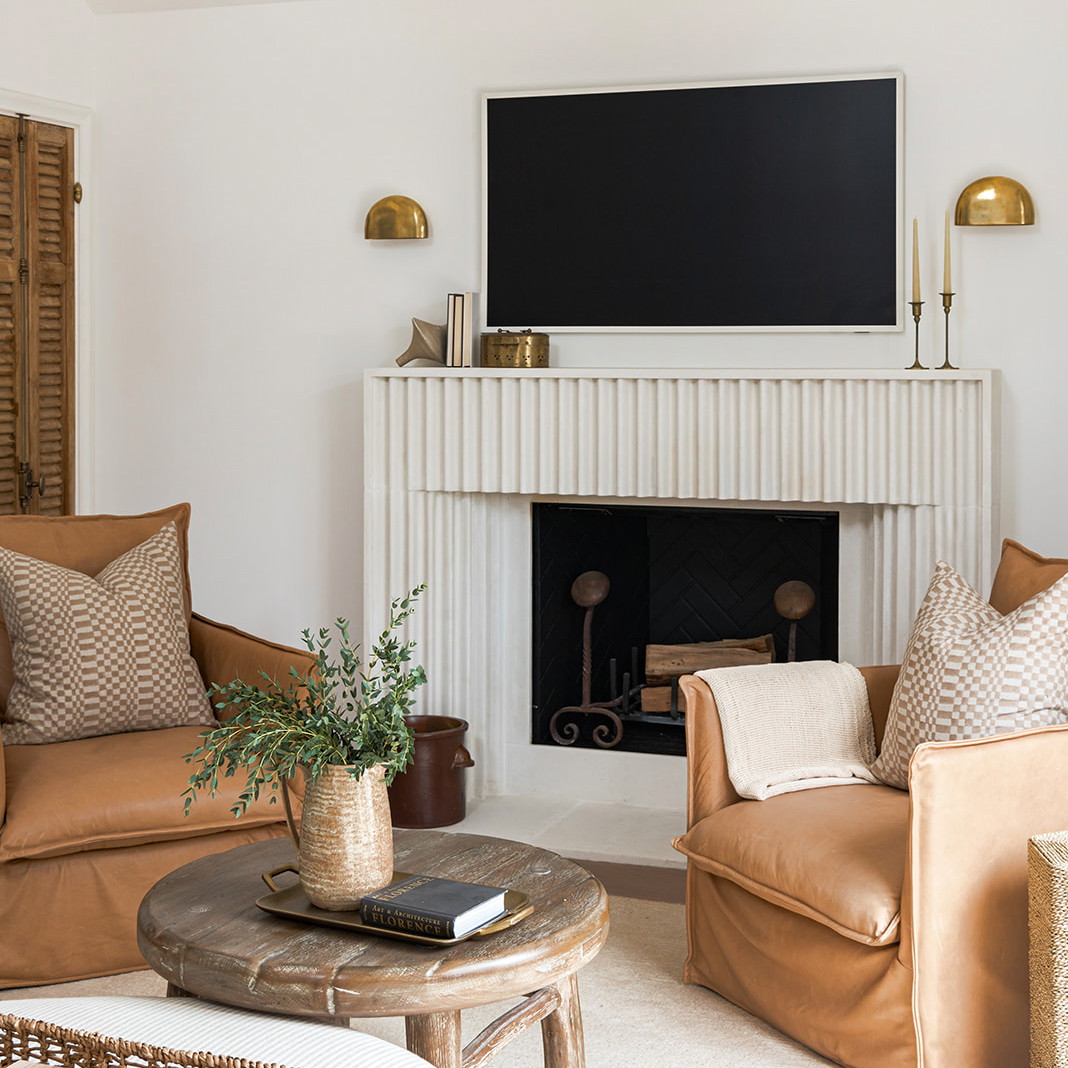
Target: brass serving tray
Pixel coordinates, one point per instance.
(290, 903)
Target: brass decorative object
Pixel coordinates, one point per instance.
(508, 348)
(995, 201)
(916, 306)
(395, 217)
(292, 903)
(916, 302)
(428, 343)
(947, 303)
(947, 295)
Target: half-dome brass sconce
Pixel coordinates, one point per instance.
(995, 201)
(395, 217)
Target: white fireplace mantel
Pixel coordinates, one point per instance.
(454, 458)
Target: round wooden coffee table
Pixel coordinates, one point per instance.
(201, 929)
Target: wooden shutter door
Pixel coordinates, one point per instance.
(9, 319)
(48, 408)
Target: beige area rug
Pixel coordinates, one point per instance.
(635, 1008)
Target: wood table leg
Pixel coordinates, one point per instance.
(435, 1036)
(561, 1031)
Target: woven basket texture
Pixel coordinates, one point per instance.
(45, 1043)
(1047, 897)
(346, 840)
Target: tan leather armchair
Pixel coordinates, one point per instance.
(87, 826)
(881, 928)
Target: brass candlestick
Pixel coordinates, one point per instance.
(947, 303)
(916, 306)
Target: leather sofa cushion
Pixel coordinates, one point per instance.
(116, 790)
(1021, 574)
(835, 855)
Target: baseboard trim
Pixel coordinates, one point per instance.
(643, 881)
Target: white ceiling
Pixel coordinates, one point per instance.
(115, 7)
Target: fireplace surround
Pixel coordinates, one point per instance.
(454, 459)
(674, 576)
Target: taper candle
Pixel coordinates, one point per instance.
(915, 262)
(947, 284)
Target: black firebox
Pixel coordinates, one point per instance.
(674, 575)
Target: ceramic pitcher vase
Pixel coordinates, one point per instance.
(346, 839)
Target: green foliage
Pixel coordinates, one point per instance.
(341, 712)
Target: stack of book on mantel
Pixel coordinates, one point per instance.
(436, 908)
(459, 330)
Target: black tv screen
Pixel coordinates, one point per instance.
(770, 205)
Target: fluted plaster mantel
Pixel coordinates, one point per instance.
(454, 458)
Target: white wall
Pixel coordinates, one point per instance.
(238, 304)
(48, 49)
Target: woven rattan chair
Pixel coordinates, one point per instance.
(49, 1043)
(140, 1032)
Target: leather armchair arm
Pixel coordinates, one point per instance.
(3, 786)
(974, 804)
(224, 653)
(880, 681)
(708, 786)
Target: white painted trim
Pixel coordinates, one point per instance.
(79, 119)
(642, 88)
(984, 375)
(60, 112)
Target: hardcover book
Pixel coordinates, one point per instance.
(467, 345)
(427, 905)
(453, 329)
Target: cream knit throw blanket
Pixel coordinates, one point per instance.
(789, 727)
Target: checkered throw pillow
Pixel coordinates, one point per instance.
(969, 672)
(101, 655)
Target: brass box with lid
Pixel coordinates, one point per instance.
(508, 348)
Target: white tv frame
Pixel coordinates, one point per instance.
(899, 325)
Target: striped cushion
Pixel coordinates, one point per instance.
(101, 655)
(203, 1027)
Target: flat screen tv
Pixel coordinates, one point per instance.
(757, 205)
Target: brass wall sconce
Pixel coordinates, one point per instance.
(995, 201)
(395, 218)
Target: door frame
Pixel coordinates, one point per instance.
(79, 119)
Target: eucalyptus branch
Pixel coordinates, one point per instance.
(341, 712)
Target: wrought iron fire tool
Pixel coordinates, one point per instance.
(793, 601)
(588, 591)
